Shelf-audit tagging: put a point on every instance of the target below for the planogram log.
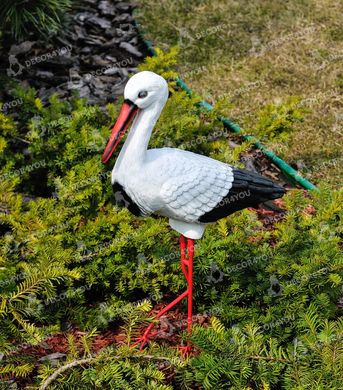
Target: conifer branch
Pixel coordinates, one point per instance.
(268, 358)
(89, 360)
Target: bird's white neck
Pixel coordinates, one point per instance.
(135, 147)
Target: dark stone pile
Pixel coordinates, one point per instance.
(94, 54)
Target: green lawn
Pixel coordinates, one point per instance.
(260, 53)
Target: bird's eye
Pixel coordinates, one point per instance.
(143, 94)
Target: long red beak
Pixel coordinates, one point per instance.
(126, 115)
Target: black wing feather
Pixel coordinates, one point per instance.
(121, 198)
(248, 190)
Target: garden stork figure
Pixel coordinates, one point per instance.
(190, 189)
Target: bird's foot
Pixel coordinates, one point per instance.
(143, 340)
(185, 350)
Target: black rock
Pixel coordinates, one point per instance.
(103, 49)
(101, 22)
(81, 17)
(122, 6)
(131, 49)
(44, 74)
(22, 48)
(106, 8)
(125, 18)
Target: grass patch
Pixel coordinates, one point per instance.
(259, 54)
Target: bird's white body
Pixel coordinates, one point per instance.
(190, 189)
(174, 183)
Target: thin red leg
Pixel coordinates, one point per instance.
(190, 247)
(185, 350)
(145, 337)
(184, 262)
(186, 244)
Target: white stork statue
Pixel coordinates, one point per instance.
(190, 189)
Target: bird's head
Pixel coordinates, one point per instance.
(143, 90)
(146, 88)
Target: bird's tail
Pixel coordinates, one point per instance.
(261, 188)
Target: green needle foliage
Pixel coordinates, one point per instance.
(278, 120)
(18, 17)
(70, 258)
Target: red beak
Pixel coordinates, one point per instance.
(126, 115)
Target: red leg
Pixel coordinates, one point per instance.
(184, 262)
(187, 269)
(185, 350)
(190, 247)
(145, 338)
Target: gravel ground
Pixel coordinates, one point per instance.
(93, 56)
